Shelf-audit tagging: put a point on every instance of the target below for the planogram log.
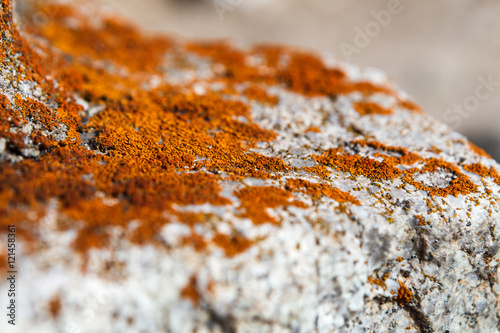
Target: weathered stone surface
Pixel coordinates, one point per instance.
(158, 185)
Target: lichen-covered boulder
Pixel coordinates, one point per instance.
(159, 185)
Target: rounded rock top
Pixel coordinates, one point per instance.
(162, 185)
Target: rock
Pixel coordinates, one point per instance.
(174, 186)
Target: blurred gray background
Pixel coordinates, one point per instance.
(436, 50)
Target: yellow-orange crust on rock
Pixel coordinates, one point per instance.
(153, 147)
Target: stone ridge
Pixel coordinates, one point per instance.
(209, 186)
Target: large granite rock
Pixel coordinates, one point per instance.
(159, 185)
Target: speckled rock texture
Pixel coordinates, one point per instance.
(160, 185)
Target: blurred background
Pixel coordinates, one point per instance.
(439, 51)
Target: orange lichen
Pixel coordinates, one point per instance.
(370, 108)
(315, 190)
(258, 94)
(308, 75)
(191, 219)
(15, 50)
(93, 219)
(410, 105)
(140, 145)
(271, 53)
(393, 155)
(379, 281)
(191, 292)
(236, 68)
(255, 200)
(388, 168)
(405, 295)
(460, 184)
(319, 170)
(195, 240)
(55, 306)
(3, 263)
(232, 245)
(38, 112)
(313, 129)
(303, 73)
(357, 165)
(420, 219)
(483, 171)
(111, 40)
(138, 150)
(11, 119)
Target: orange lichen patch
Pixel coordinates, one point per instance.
(111, 40)
(233, 244)
(379, 281)
(420, 220)
(96, 84)
(191, 219)
(3, 263)
(39, 113)
(187, 189)
(319, 170)
(304, 73)
(150, 223)
(410, 105)
(54, 306)
(15, 50)
(10, 118)
(5, 106)
(367, 88)
(97, 217)
(243, 163)
(307, 74)
(149, 148)
(313, 129)
(483, 171)
(191, 292)
(4, 103)
(234, 61)
(17, 217)
(357, 165)
(35, 111)
(255, 200)
(478, 150)
(405, 295)
(271, 53)
(315, 190)
(258, 94)
(388, 169)
(461, 184)
(145, 151)
(370, 108)
(37, 181)
(394, 155)
(195, 240)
